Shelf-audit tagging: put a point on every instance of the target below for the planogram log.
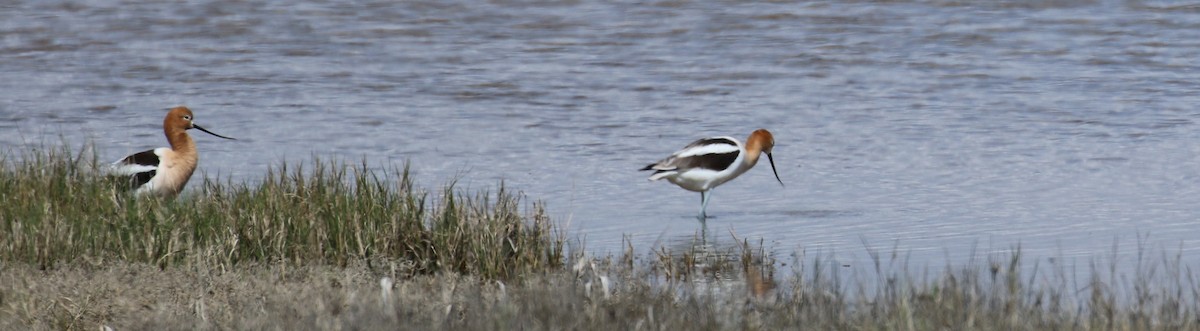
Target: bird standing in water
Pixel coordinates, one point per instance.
(707, 163)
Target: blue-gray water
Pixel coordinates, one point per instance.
(927, 127)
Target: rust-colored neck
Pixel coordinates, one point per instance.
(754, 147)
(180, 141)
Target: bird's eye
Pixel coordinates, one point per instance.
(187, 117)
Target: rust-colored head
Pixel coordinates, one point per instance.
(180, 119)
(762, 141)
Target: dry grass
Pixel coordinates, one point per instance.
(596, 295)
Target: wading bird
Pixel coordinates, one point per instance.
(164, 171)
(707, 163)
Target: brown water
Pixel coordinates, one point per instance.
(932, 128)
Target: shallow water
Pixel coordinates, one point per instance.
(933, 129)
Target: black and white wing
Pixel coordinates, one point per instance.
(714, 154)
(139, 168)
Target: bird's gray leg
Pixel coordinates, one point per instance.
(704, 196)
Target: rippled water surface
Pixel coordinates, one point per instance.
(932, 128)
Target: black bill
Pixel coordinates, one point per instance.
(772, 160)
(210, 132)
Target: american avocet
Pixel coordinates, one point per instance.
(707, 163)
(164, 171)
